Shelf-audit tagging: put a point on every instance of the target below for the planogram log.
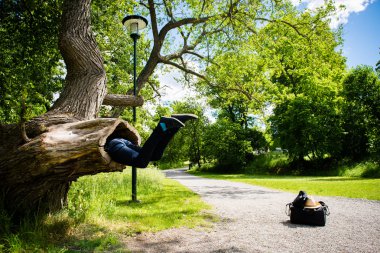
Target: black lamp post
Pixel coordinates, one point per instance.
(134, 24)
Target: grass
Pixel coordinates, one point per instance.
(324, 186)
(99, 215)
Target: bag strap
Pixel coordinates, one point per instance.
(325, 207)
(287, 208)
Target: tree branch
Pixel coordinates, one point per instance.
(184, 69)
(153, 19)
(123, 100)
(285, 22)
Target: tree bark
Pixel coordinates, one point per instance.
(85, 83)
(123, 100)
(35, 176)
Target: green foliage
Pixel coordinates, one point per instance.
(365, 169)
(117, 46)
(308, 126)
(78, 206)
(30, 67)
(225, 143)
(361, 90)
(307, 114)
(378, 67)
(272, 163)
(292, 65)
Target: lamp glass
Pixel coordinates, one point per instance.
(134, 28)
(134, 23)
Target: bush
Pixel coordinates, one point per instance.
(225, 143)
(269, 163)
(366, 169)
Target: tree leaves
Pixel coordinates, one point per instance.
(30, 67)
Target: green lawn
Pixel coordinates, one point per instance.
(324, 186)
(99, 214)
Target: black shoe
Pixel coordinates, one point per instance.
(170, 123)
(184, 117)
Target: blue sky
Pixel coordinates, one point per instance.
(362, 36)
(361, 28)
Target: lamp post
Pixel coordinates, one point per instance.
(134, 24)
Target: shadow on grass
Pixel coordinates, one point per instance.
(60, 236)
(337, 179)
(93, 238)
(144, 200)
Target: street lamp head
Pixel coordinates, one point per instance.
(134, 24)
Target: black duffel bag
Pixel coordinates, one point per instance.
(304, 210)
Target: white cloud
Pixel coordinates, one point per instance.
(342, 14)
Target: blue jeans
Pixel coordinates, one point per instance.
(125, 152)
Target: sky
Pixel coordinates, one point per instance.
(361, 34)
(361, 28)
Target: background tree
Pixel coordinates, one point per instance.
(306, 117)
(361, 90)
(292, 65)
(226, 145)
(308, 127)
(30, 67)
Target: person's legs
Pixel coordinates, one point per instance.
(164, 129)
(159, 151)
(160, 148)
(125, 152)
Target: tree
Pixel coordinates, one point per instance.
(226, 145)
(67, 141)
(361, 90)
(237, 85)
(30, 67)
(307, 111)
(308, 126)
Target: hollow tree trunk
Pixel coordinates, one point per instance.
(36, 175)
(67, 141)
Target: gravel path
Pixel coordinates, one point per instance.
(253, 220)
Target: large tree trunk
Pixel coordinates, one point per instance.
(67, 142)
(85, 84)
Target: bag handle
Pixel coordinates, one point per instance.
(287, 208)
(324, 206)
